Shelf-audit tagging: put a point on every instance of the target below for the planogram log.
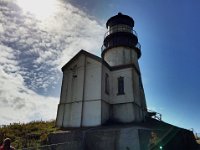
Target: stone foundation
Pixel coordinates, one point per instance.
(150, 135)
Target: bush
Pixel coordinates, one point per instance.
(27, 135)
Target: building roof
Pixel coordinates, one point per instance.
(81, 52)
(99, 60)
(120, 19)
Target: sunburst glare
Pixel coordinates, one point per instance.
(41, 9)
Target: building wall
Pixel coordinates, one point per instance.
(124, 113)
(73, 79)
(92, 85)
(128, 86)
(72, 115)
(84, 100)
(60, 114)
(128, 106)
(92, 113)
(106, 96)
(120, 56)
(125, 107)
(92, 93)
(105, 111)
(80, 101)
(71, 96)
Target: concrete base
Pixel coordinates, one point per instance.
(102, 138)
(114, 139)
(150, 135)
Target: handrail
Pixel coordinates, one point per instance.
(120, 29)
(157, 115)
(103, 47)
(138, 45)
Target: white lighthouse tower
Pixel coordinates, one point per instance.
(121, 52)
(96, 90)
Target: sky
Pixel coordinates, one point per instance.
(37, 37)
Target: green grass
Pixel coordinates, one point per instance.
(27, 135)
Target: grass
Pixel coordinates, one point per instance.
(27, 135)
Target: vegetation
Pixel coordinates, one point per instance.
(32, 134)
(198, 141)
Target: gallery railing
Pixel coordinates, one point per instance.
(112, 44)
(120, 29)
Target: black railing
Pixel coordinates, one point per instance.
(138, 46)
(154, 115)
(120, 29)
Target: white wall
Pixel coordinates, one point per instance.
(92, 87)
(81, 83)
(128, 86)
(136, 89)
(72, 115)
(92, 93)
(74, 85)
(92, 113)
(120, 56)
(105, 111)
(88, 86)
(60, 113)
(69, 110)
(104, 95)
(124, 107)
(124, 112)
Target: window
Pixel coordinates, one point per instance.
(120, 86)
(106, 84)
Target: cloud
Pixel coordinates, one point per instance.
(21, 104)
(32, 53)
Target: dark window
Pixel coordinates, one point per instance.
(120, 86)
(106, 84)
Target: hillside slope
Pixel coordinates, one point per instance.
(27, 135)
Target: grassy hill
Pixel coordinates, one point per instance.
(27, 135)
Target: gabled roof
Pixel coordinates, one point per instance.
(80, 53)
(99, 60)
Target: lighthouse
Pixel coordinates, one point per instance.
(97, 91)
(121, 51)
(106, 95)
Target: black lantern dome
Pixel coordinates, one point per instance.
(120, 33)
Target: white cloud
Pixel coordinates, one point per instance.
(1, 27)
(74, 30)
(19, 104)
(32, 53)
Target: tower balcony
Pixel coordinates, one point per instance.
(120, 29)
(137, 47)
(121, 35)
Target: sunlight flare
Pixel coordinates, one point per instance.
(41, 9)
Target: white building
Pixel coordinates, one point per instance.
(109, 89)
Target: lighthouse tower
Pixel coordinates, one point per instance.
(121, 51)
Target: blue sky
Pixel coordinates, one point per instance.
(35, 45)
